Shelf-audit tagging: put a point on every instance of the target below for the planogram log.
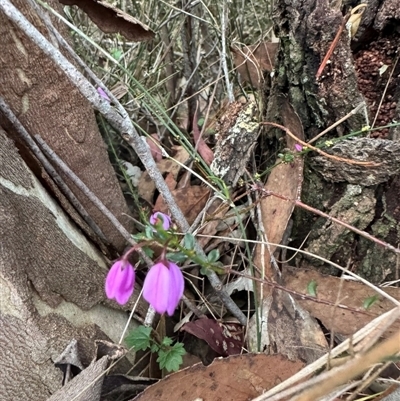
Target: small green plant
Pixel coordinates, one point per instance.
(169, 356)
(368, 302)
(312, 288)
(163, 285)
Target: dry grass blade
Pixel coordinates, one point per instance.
(338, 376)
(284, 389)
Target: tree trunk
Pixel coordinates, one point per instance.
(51, 276)
(47, 104)
(51, 285)
(366, 197)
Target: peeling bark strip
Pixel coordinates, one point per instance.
(382, 151)
(51, 285)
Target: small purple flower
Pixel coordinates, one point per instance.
(163, 287)
(298, 147)
(103, 94)
(120, 281)
(158, 217)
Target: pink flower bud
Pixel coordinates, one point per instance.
(161, 218)
(120, 281)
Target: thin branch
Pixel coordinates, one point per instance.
(47, 21)
(332, 46)
(300, 295)
(224, 17)
(350, 273)
(329, 380)
(333, 157)
(384, 91)
(352, 113)
(283, 391)
(87, 192)
(334, 219)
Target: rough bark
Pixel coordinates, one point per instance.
(47, 104)
(51, 285)
(51, 275)
(306, 30)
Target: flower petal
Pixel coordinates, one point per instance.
(158, 217)
(103, 94)
(111, 279)
(156, 286)
(177, 285)
(120, 281)
(127, 285)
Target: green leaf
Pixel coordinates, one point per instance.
(116, 53)
(149, 232)
(176, 257)
(213, 256)
(312, 288)
(167, 341)
(139, 338)
(204, 271)
(188, 241)
(148, 251)
(161, 234)
(139, 237)
(370, 301)
(218, 267)
(172, 358)
(154, 347)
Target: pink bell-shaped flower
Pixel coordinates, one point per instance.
(163, 287)
(120, 281)
(163, 218)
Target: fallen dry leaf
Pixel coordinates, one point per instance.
(191, 201)
(154, 145)
(204, 150)
(215, 214)
(285, 179)
(236, 378)
(146, 185)
(291, 329)
(113, 20)
(224, 338)
(353, 295)
(252, 61)
(86, 386)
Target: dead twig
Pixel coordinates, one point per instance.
(300, 295)
(327, 216)
(352, 112)
(332, 47)
(329, 380)
(224, 18)
(384, 91)
(307, 145)
(284, 391)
